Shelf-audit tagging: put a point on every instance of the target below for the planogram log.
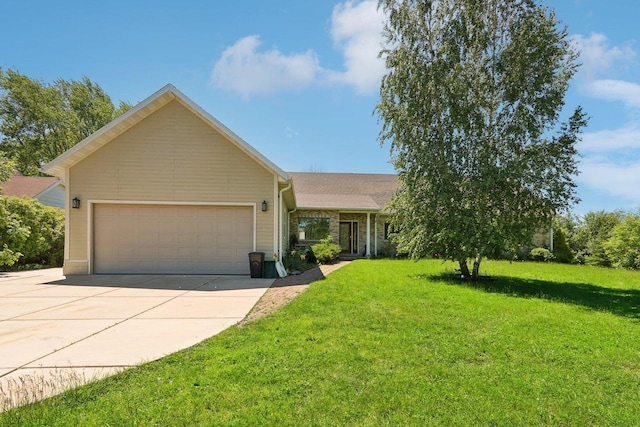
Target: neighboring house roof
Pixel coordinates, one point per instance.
(28, 186)
(344, 191)
(142, 110)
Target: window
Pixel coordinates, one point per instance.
(313, 228)
(387, 230)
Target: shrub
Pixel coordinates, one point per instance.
(541, 254)
(294, 260)
(310, 257)
(623, 248)
(561, 250)
(326, 251)
(30, 232)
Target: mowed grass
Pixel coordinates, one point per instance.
(397, 343)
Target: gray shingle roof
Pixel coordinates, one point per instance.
(356, 191)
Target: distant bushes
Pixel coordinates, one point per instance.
(541, 255)
(623, 247)
(30, 233)
(561, 250)
(604, 239)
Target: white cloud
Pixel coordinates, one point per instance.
(627, 137)
(614, 90)
(291, 133)
(245, 70)
(356, 29)
(611, 160)
(613, 178)
(596, 55)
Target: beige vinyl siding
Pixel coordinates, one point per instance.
(172, 156)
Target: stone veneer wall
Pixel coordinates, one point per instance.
(384, 247)
(334, 224)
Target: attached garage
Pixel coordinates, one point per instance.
(172, 239)
(168, 189)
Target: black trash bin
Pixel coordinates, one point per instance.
(256, 261)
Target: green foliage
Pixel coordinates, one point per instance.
(294, 260)
(561, 250)
(326, 251)
(30, 232)
(6, 168)
(594, 231)
(569, 224)
(474, 90)
(40, 121)
(623, 247)
(541, 255)
(310, 256)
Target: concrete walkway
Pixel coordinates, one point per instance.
(57, 333)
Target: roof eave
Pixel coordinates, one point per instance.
(344, 208)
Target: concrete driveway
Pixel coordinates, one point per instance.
(73, 330)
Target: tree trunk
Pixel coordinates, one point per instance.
(476, 267)
(464, 269)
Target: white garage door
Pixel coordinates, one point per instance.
(163, 239)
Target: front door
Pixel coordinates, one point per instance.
(349, 237)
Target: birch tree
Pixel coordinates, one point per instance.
(471, 106)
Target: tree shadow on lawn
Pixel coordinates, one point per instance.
(622, 302)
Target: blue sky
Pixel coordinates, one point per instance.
(298, 80)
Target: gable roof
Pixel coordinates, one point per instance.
(135, 115)
(27, 186)
(344, 191)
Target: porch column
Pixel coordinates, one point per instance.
(375, 235)
(368, 234)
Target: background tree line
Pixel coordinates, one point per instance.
(606, 239)
(38, 122)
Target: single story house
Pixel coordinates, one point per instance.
(168, 189)
(350, 207)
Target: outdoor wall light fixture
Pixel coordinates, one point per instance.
(264, 206)
(75, 203)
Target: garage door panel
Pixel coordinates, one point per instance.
(167, 253)
(205, 226)
(172, 239)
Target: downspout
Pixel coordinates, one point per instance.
(288, 187)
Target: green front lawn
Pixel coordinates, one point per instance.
(397, 343)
